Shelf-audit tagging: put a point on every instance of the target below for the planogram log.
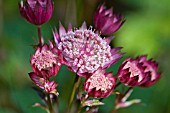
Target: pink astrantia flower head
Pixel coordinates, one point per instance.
(138, 72)
(100, 84)
(46, 60)
(106, 21)
(46, 85)
(84, 50)
(36, 12)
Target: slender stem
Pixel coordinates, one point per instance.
(49, 102)
(76, 84)
(40, 40)
(117, 84)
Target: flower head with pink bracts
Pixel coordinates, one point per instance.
(100, 84)
(139, 72)
(46, 60)
(84, 51)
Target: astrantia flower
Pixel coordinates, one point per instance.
(46, 60)
(100, 84)
(106, 21)
(36, 12)
(84, 50)
(46, 85)
(138, 72)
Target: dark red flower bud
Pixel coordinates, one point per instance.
(151, 74)
(106, 21)
(138, 72)
(36, 12)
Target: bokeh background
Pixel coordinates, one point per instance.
(146, 31)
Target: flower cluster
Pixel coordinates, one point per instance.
(86, 52)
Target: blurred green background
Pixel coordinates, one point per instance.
(146, 31)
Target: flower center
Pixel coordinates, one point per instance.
(100, 82)
(44, 60)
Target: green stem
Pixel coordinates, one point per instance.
(118, 84)
(49, 102)
(76, 84)
(40, 40)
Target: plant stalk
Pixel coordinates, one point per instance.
(76, 84)
(40, 40)
(119, 83)
(49, 102)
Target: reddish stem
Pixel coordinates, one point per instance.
(39, 36)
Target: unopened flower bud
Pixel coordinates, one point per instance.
(36, 12)
(138, 72)
(106, 21)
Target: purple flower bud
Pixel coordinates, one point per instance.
(106, 21)
(46, 60)
(138, 72)
(36, 12)
(100, 84)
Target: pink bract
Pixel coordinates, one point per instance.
(84, 50)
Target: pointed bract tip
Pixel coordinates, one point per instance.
(83, 27)
(69, 27)
(62, 30)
